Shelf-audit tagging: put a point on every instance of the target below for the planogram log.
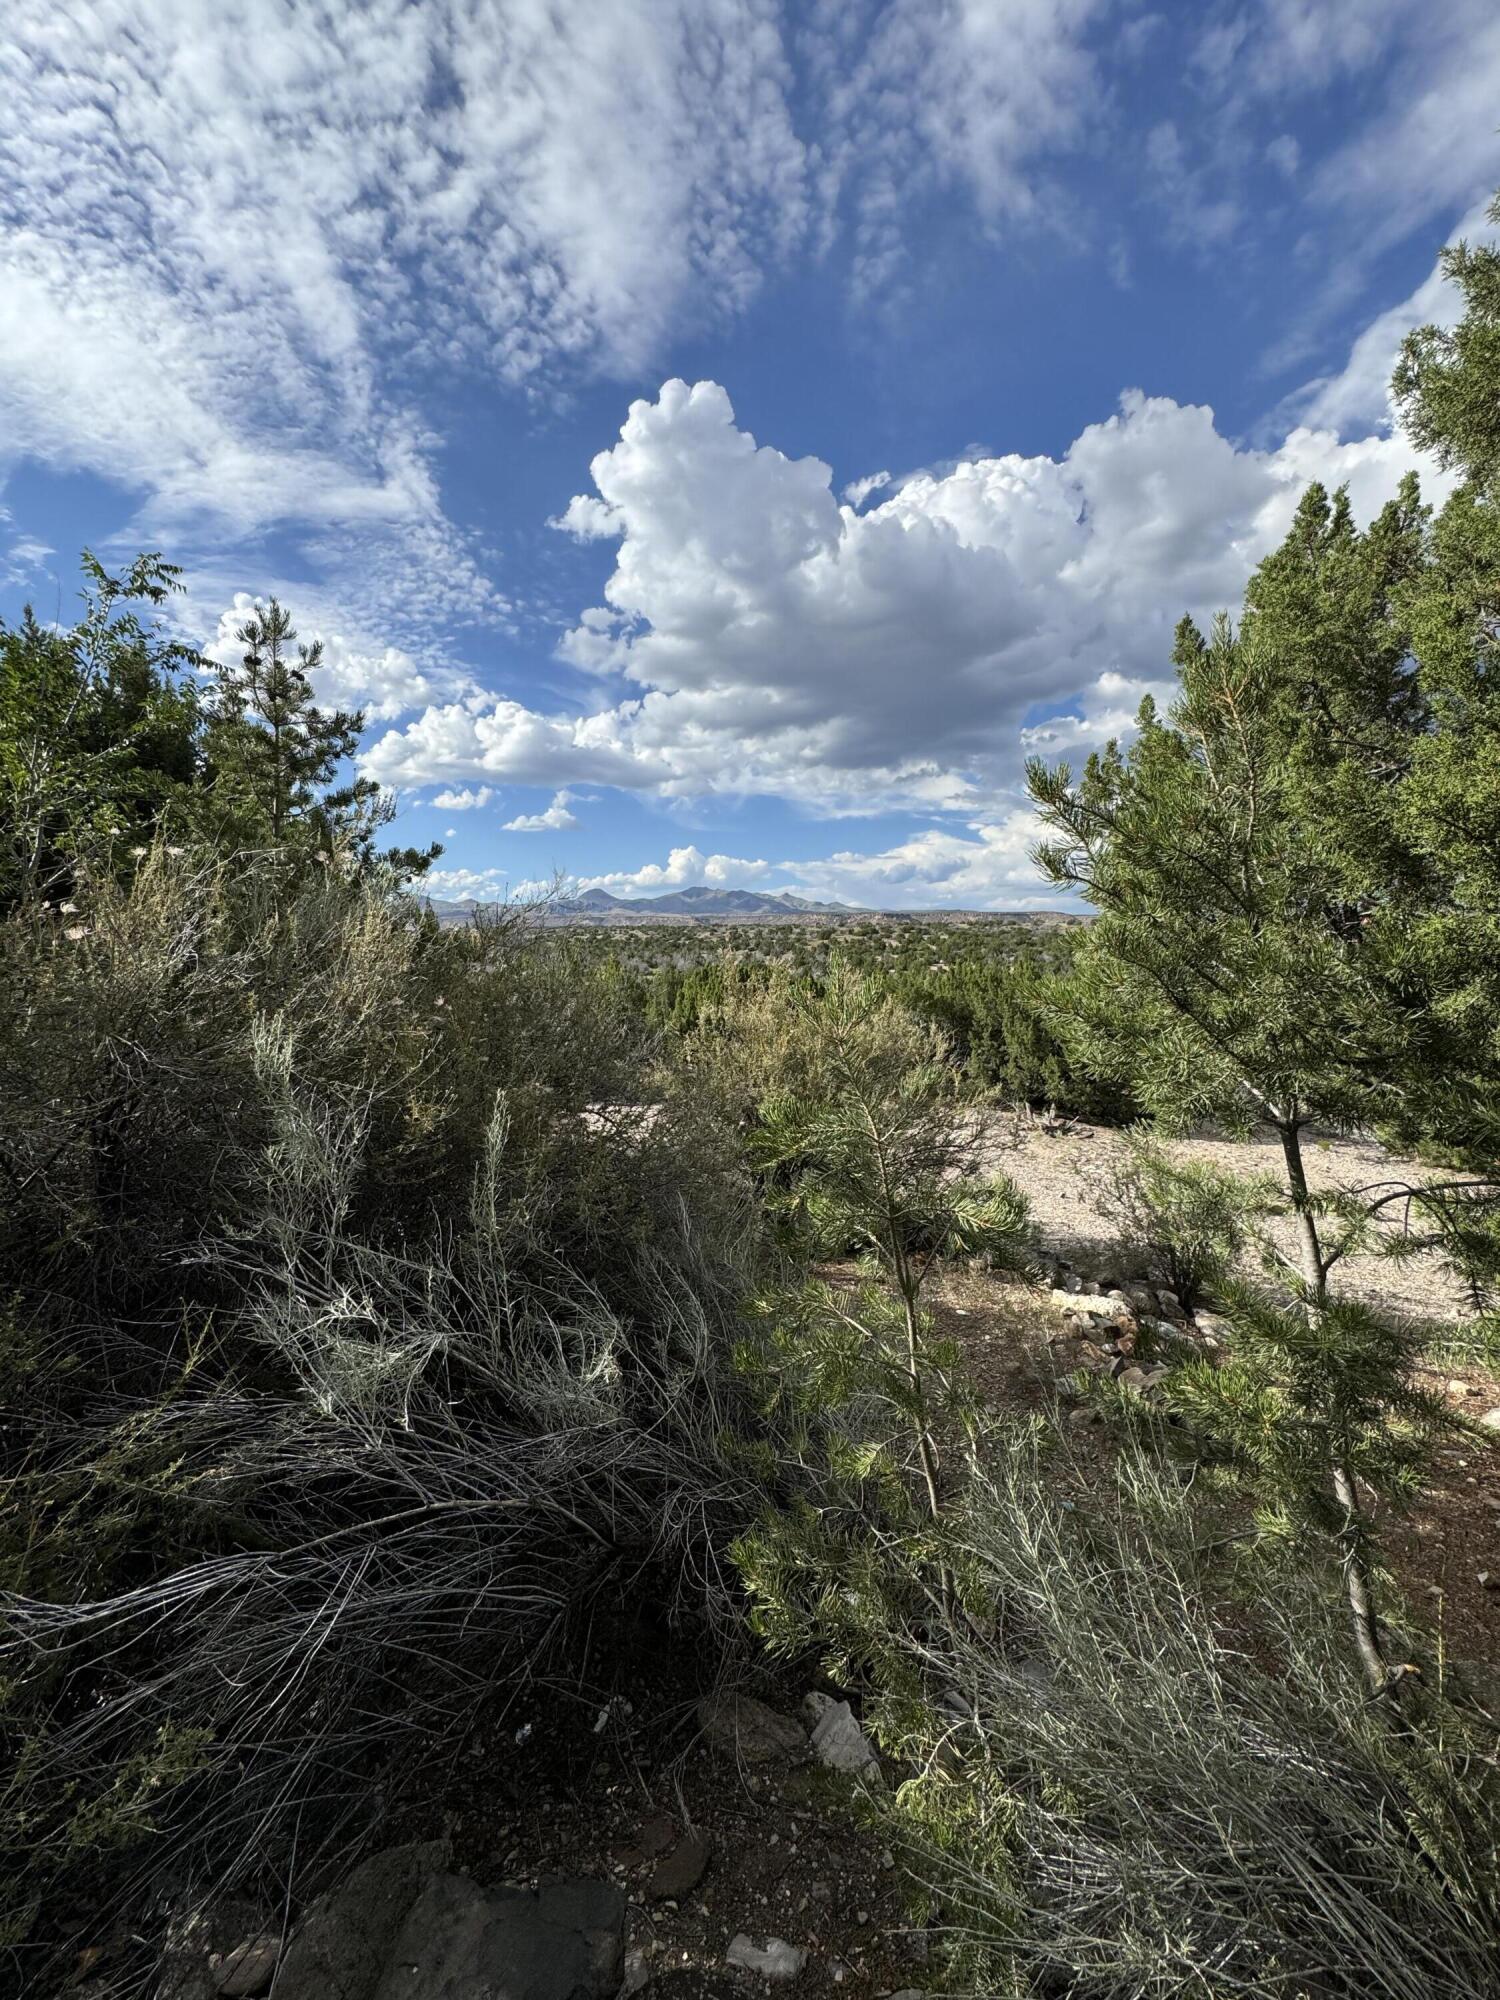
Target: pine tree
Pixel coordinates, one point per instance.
(274, 756)
(99, 734)
(1241, 855)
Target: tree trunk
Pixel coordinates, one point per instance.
(1357, 1585)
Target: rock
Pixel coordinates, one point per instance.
(1458, 1389)
(747, 1729)
(1106, 1307)
(1169, 1303)
(1490, 1421)
(684, 1867)
(198, 1942)
(341, 1949)
(773, 1958)
(637, 1974)
(840, 1743)
(248, 1969)
(561, 1941)
(401, 1927)
(653, 1838)
(1132, 1378)
(1212, 1326)
(1155, 1375)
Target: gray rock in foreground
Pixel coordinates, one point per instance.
(402, 1927)
(564, 1941)
(342, 1946)
(747, 1729)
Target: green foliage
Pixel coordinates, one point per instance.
(273, 755)
(98, 734)
(1294, 1397)
(1126, 1763)
(358, 1273)
(1186, 1219)
(1445, 378)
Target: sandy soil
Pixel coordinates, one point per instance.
(1066, 1178)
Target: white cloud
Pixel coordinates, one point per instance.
(762, 638)
(555, 819)
(1359, 393)
(684, 868)
(469, 799)
(385, 682)
(986, 866)
(759, 637)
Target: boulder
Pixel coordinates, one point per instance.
(561, 1941)
(1102, 1304)
(402, 1927)
(683, 1868)
(247, 1971)
(342, 1946)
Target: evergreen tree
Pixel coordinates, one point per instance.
(99, 734)
(274, 756)
(1242, 855)
(1447, 386)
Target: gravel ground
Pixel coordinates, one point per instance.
(1066, 1178)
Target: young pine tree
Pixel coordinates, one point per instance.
(99, 734)
(274, 757)
(1240, 855)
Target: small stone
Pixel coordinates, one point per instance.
(247, 1970)
(684, 1867)
(1132, 1378)
(1170, 1303)
(637, 1974)
(1490, 1421)
(887, 1859)
(841, 1743)
(1456, 1388)
(1073, 1300)
(861, 1916)
(746, 1728)
(1488, 1580)
(772, 1958)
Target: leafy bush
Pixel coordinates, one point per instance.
(372, 1299)
(1130, 1763)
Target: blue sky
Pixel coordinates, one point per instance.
(718, 440)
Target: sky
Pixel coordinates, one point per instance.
(718, 441)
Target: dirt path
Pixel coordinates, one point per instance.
(1067, 1179)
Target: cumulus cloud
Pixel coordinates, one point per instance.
(988, 865)
(761, 637)
(469, 799)
(684, 868)
(556, 819)
(382, 681)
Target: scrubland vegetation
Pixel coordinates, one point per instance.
(392, 1311)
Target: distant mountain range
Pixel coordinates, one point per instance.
(598, 907)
